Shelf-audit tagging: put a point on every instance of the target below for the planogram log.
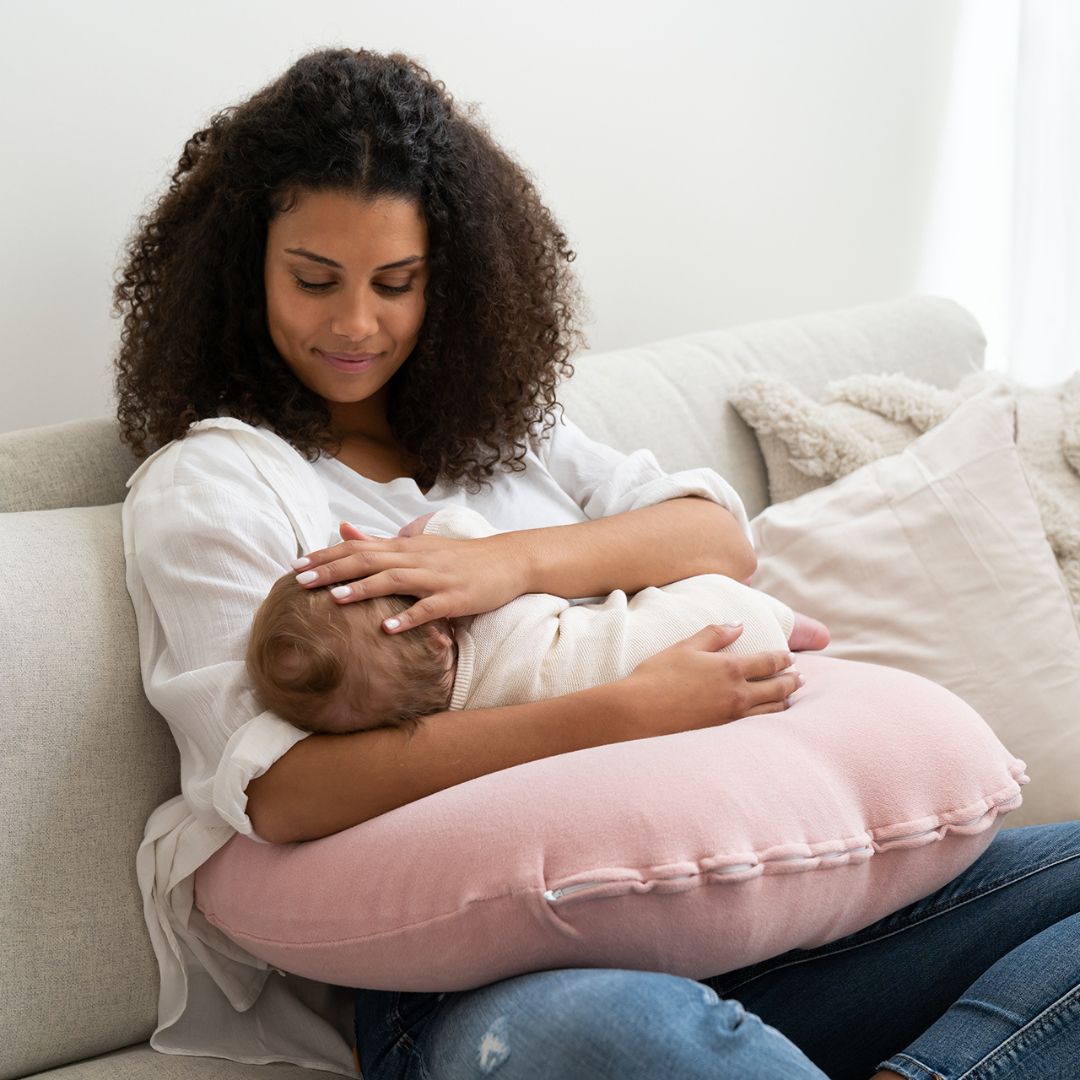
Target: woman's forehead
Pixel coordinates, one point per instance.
(342, 227)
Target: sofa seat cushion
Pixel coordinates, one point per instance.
(143, 1063)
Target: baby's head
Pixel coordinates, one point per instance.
(330, 667)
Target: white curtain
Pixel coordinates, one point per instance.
(1003, 234)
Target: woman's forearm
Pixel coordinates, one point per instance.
(655, 545)
(327, 783)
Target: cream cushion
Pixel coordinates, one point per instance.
(935, 560)
(808, 443)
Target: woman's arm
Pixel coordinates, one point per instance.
(655, 545)
(331, 782)
(652, 545)
(644, 527)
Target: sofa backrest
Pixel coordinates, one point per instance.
(78, 463)
(671, 396)
(85, 758)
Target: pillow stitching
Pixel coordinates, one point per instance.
(992, 812)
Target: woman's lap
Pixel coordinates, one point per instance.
(848, 1006)
(869, 995)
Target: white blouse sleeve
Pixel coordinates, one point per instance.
(201, 558)
(605, 481)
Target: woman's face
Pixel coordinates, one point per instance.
(345, 279)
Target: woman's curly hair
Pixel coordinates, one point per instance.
(501, 319)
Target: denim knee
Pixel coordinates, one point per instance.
(623, 1025)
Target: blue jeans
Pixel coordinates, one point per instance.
(980, 979)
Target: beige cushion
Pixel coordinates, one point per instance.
(85, 760)
(79, 463)
(807, 443)
(142, 1063)
(935, 561)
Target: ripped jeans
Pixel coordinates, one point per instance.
(979, 980)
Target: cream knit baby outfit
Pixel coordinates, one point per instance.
(540, 646)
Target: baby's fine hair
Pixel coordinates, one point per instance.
(311, 662)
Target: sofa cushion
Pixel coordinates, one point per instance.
(935, 560)
(85, 760)
(78, 463)
(807, 444)
(142, 1063)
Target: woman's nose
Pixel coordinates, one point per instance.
(356, 317)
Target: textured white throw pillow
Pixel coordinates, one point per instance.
(807, 444)
(935, 560)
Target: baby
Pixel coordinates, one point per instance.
(330, 667)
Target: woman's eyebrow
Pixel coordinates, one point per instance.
(304, 253)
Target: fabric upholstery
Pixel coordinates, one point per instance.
(85, 761)
(142, 1063)
(79, 463)
(672, 395)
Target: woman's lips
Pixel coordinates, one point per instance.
(343, 362)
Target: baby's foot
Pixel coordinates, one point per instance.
(808, 634)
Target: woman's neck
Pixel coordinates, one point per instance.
(379, 459)
(358, 420)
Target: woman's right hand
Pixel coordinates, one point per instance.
(693, 685)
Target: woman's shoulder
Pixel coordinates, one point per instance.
(228, 473)
(222, 450)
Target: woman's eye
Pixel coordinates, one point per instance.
(312, 286)
(322, 286)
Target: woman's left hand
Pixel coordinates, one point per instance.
(450, 577)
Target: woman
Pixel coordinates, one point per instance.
(346, 266)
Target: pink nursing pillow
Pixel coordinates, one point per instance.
(693, 854)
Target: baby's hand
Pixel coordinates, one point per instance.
(415, 528)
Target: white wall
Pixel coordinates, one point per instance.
(713, 162)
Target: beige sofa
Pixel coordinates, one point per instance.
(85, 758)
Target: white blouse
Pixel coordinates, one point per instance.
(209, 523)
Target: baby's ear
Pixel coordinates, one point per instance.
(440, 632)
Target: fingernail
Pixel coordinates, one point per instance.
(731, 625)
(802, 678)
(299, 564)
(306, 576)
(392, 624)
(341, 592)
